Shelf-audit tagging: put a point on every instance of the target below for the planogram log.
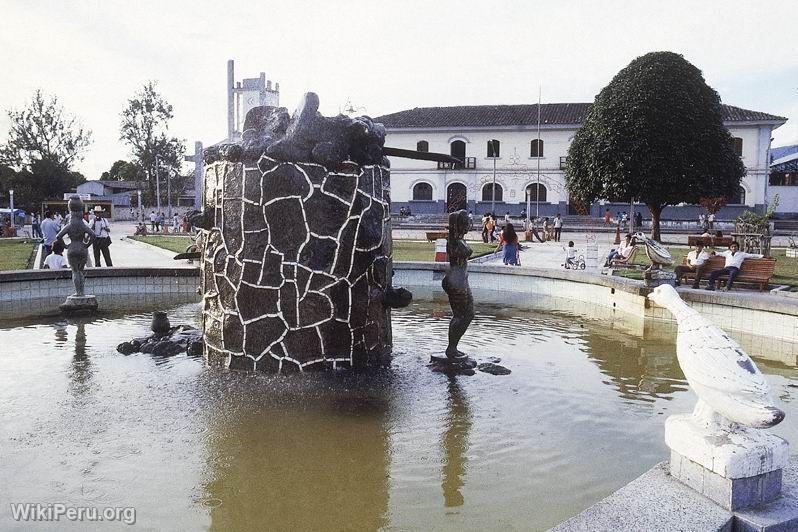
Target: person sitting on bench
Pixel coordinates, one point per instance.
(623, 253)
(696, 262)
(734, 261)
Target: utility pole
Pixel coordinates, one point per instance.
(141, 214)
(537, 192)
(169, 192)
(11, 207)
(158, 183)
(493, 190)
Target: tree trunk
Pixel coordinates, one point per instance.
(656, 211)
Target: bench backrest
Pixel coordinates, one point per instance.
(758, 267)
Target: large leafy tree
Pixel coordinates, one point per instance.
(144, 127)
(123, 171)
(43, 180)
(655, 134)
(43, 131)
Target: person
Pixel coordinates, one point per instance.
(407, 212)
(570, 254)
(50, 228)
(507, 217)
(624, 251)
(607, 217)
(485, 228)
(153, 221)
(624, 219)
(176, 223)
(734, 261)
(141, 229)
(401, 211)
(56, 260)
(523, 214)
(102, 240)
(508, 242)
(546, 229)
(35, 225)
(701, 220)
(557, 227)
(490, 225)
(639, 220)
(711, 220)
(696, 262)
(161, 222)
(59, 219)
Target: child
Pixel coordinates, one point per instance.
(570, 254)
(55, 260)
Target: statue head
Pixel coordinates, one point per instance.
(76, 205)
(458, 224)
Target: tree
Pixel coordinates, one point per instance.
(43, 131)
(43, 180)
(123, 171)
(654, 134)
(144, 127)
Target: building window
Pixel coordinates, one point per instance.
(496, 194)
(738, 145)
(536, 192)
(737, 199)
(422, 192)
(422, 145)
(458, 149)
(536, 148)
(784, 179)
(493, 148)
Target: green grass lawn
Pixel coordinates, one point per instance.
(403, 250)
(786, 268)
(177, 244)
(14, 254)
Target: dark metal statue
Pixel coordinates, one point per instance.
(77, 252)
(455, 283)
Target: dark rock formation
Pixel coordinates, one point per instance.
(168, 342)
(493, 369)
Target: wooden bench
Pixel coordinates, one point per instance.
(754, 271)
(723, 241)
(432, 236)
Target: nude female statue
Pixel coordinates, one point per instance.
(77, 231)
(455, 282)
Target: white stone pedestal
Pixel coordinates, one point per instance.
(736, 468)
(76, 303)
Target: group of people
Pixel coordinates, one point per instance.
(706, 222)
(697, 263)
(158, 224)
(551, 230)
(405, 211)
(622, 217)
(53, 247)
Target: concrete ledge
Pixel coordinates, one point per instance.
(115, 271)
(656, 502)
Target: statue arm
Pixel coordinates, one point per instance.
(92, 236)
(61, 233)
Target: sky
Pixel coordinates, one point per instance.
(383, 56)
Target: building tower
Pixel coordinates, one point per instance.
(243, 96)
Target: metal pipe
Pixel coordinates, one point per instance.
(11, 205)
(537, 192)
(158, 183)
(493, 190)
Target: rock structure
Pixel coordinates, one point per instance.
(296, 244)
(718, 449)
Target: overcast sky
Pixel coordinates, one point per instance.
(384, 56)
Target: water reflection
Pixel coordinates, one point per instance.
(80, 368)
(308, 454)
(455, 445)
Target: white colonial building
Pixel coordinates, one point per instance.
(506, 137)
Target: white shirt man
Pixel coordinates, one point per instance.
(696, 262)
(734, 261)
(697, 257)
(100, 226)
(55, 261)
(557, 222)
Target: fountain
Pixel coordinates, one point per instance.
(295, 244)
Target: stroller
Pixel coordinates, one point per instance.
(572, 260)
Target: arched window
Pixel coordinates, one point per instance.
(737, 199)
(738, 145)
(536, 192)
(493, 148)
(536, 148)
(422, 145)
(458, 149)
(422, 192)
(497, 192)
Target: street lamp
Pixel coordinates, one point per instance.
(11, 205)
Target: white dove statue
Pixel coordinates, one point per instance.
(729, 386)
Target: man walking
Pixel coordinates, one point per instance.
(102, 242)
(696, 262)
(153, 220)
(734, 261)
(557, 227)
(50, 229)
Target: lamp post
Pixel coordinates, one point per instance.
(141, 214)
(169, 192)
(11, 205)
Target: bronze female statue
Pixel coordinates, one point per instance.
(77, 231)
(455, 282)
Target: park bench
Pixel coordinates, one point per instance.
(435, 235)
(618, 264)
(753, 271)
(723, 241)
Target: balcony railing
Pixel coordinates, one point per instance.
(562, 162)
(470, 163)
